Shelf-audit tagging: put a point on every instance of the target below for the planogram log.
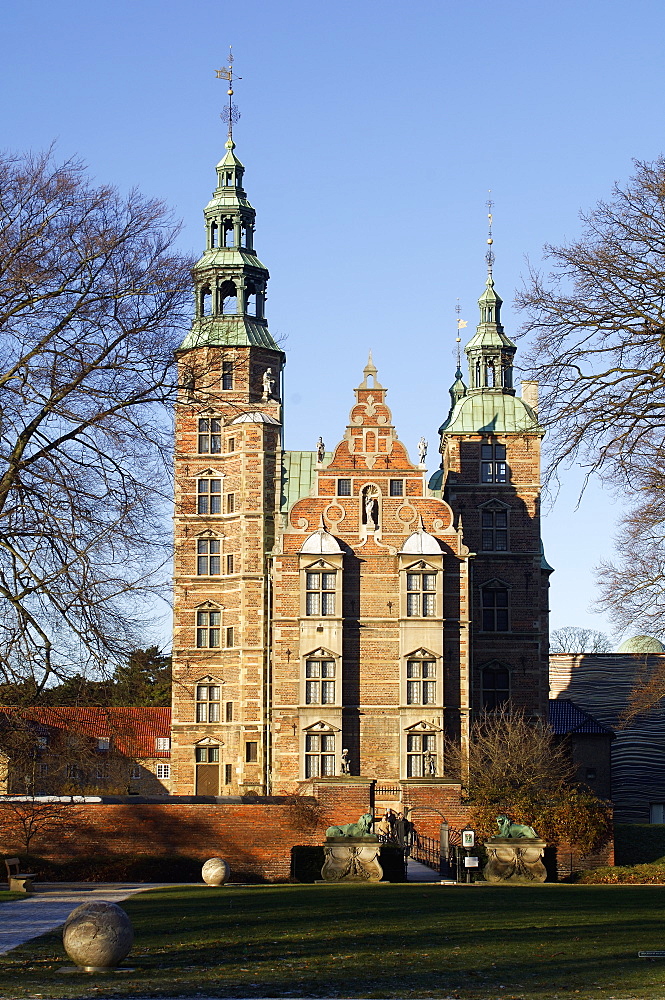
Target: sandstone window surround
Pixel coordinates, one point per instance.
(421, 592)
(320, 678)
(209, 436)
(208, 627)
(208, 556)
(208, 699)
(321, 751)
(421, 751)
(495, 606)
(421, 681)
(209, 493)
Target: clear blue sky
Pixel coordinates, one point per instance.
(371, 133)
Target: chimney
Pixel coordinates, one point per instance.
(530, 394)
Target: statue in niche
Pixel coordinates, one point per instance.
(346, 764)
(422, 450)
(371, 507)
(268, 384)
(320, 450)
(430, 765)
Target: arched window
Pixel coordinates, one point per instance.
(250, 300)
(205, 301)
(214, 230)
(229, 299)
(228, 233)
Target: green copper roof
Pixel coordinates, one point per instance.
(229, 257)
(491, 412)
(229, 331)
(298, 476)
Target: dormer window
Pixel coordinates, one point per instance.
(103, 742)
(162, 743)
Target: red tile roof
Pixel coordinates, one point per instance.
(133, 731)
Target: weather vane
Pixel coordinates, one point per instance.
(461, 323)
(489, 256)
(230, 115)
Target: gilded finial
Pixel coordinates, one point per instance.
(230, 114)
(489, 256)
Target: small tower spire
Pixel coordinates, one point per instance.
(230, 114)
(458, 389)
(489, 256)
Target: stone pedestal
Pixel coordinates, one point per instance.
(352, 859)
(517, 861)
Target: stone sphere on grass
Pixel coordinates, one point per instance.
(216, 871)
(97, 935)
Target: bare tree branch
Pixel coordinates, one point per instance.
(92, 305)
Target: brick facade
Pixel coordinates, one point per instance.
(335, 613)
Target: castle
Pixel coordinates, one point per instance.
(336, 615)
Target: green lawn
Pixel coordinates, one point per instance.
(373, 941)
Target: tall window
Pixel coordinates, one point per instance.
(420, 749)
(320, 682)
(495, 609)
(421, 682)
(494, 530)
(210, 436)
(496, 687)
(163, 771)
(230, 503)
(251, 752)
(207, 702)
(209, 496)
(320, 599)
(208, 557)
(420, 595)
(493, 468)
(227, 374)
(319, 755)
(207, 629)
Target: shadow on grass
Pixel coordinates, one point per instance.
(372, 941)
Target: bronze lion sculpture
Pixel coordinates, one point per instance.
(515, 831)
(360, 829)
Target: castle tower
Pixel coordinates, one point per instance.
(490, 476)
(228, 451)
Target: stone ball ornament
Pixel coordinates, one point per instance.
(216, 871)
(97, 936)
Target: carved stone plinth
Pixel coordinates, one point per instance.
(352, 859)
(515, 860)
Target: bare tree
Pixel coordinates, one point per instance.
(579, 640)
(92, 298)
(516, 766)
(24, 819)
(598, 326)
